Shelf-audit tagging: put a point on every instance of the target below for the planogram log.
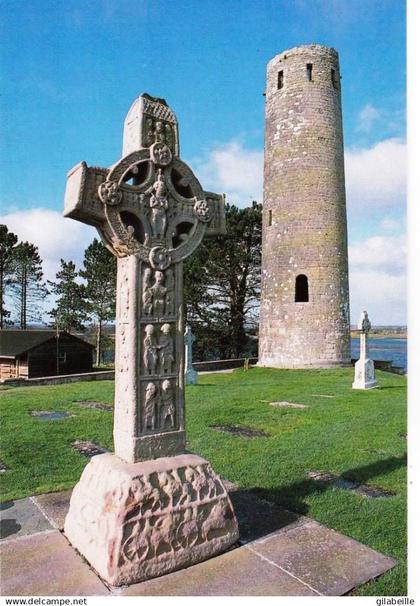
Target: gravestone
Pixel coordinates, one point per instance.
(364, 370)
(191, 375)
(149, 508)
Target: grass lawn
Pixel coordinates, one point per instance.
(355, 434)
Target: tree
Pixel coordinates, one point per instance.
(222, 285)
(100, 273)
(8, 242)
(71, 308)
(28, 287)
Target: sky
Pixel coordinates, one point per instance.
(71, 70)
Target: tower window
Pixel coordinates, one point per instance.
(309, 71)
(270, 217)
(301, 289)
(280, 80)
(334, 79)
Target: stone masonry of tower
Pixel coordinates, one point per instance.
(304, 318)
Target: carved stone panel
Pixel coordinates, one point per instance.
(158, 294)
(160, 405)
(150, 121)
(158, 350)
(150, 518)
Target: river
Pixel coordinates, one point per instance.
(384, 349)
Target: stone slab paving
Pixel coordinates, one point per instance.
(321, 395)
(287, 405)
(364, 490)
(327, 561)
(257, 517)
(280, 553)
(237, 572)
(54, 506)
(45, 564)
(20, 518)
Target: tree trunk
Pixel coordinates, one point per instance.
(98, 342)
(1, 296)
(25, 300)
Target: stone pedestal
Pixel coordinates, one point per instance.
(364, 375)
(135, 521)
(191, 377)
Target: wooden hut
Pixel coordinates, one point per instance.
(42, 353)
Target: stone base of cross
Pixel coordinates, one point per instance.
(148, 509)
(364, 375)
(364, 370)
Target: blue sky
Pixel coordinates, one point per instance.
(72, 69)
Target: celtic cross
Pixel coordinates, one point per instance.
(151, 212)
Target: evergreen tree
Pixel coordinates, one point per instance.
(28, 287)
(71, 308)
(8, 241)
(222, 285)
(100, 273)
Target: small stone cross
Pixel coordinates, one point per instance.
(364, 370)
(364, 327)
(152, 213)
(190, 373)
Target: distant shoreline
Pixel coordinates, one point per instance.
(381, 335)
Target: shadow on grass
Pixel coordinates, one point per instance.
(385, 387)
(261, 511)
(366, 472)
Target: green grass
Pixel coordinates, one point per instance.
(355, 434)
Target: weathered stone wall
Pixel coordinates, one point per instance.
(304, 213)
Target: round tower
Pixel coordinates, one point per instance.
(304, 317)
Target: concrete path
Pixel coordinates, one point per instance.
(279, 553)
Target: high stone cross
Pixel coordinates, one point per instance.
(364, 369)
(152, 213)
(149, 508)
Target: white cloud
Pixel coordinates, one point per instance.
(383, 296)
(383, 253)
(367, 118)
(56, 237)
(390, 225)
(376, 177)
(234, 170)
(378, 280)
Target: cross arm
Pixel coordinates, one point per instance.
(217, 224)
(81, 201)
